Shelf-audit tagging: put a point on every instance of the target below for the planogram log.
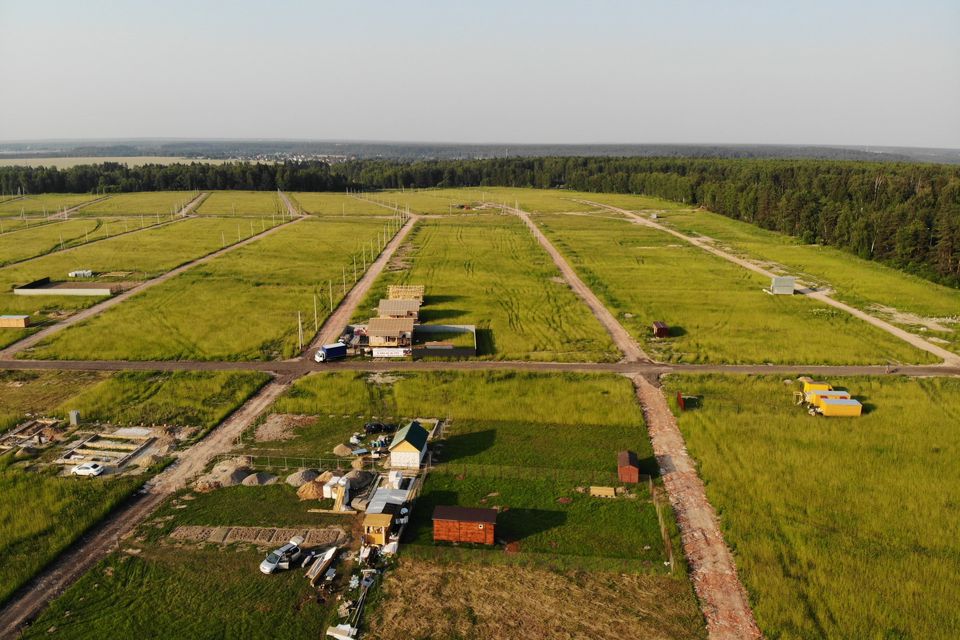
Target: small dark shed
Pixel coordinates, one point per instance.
(661, 330)
(464, 524)
(628, 468)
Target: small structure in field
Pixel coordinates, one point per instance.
(603, 492)
(376, 528)
(45, 287)
(390, 332)
(81, 273)
(782, 285)
(661, 330)
(809, 384)
(628, 467)
(14, 322)
(840, 407)
(464, 524)
(406, 292)
(409, 446)
(399, 308)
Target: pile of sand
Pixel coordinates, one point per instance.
(298, 478)
(312, 490)
(228, 473)
(259, 479)
(342, 450)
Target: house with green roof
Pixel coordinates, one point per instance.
(409, 446)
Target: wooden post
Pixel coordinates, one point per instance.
(330, 285)
(316, 321)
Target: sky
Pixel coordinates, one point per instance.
(855, 73)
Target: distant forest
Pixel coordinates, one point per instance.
(903, 214)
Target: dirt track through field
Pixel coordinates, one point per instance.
(723, 599)
(621, 337)
(949, 358)
(100, 307)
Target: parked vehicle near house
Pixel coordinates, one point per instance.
(89, 469)
(327, 352)
(283, 558)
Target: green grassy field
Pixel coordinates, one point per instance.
(842, 528)
(140, 255)
(861, 283)
(241, 306)
(37, 392)
(336, 204)
(28, 243)
(489, 271)
(44, 203)
(242, 203)
(147, 203)
(716, 310)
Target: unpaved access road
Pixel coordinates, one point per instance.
(337, 321)
(89, 312)
(949, 358)
(621, 337)
(722, 597)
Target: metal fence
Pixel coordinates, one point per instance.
(292, 463)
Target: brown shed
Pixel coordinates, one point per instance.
(661, 330)
(628, 468)
(464, 524)
(14, 322)
(390, 332)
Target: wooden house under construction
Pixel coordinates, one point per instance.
(406, 292)
(399, 308)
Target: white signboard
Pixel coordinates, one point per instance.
(391, 352)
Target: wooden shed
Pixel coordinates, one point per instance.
(376, 528)
(628, 467)
(390, 332)
(661, 330)
(464, 524)
(14, 322)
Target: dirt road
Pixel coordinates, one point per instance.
(337, 321)
(89, 312)
(624, 341)
(723, 599)
(949, 358)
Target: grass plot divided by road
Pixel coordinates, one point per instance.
(717, 311)
(336, 204)
(46, 203)
(146, 203)
(242, 203)
(490, 272)
(842, 528)
(242, 305)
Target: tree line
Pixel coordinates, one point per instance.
(903, 214)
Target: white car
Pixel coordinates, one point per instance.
(88, 469)
(282, 558)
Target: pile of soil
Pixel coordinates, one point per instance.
(282, 426)
(229, 473)
(342, 450)
(259, 479)
(298, 478)
(359, 480)
(311, 490)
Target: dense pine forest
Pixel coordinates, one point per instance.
(903, 214)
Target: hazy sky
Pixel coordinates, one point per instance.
(807, 72)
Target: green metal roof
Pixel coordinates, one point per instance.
(413, 433)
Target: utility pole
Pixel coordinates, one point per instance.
(330, 285)
(354, 267)
(299, 332)
(223, 240)
(344, 269)
(316, 317)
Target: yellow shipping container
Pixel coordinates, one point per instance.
(813, 385)
(840, 407)
(814, 397)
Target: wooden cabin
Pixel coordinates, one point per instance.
(390, 332)
(464, 524)
(409, 447)
(628, 467)
(661, 330)
(376, 528)
(399, 308)
(14, 322)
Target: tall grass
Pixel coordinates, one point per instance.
(717, 310)
(242, 203)
(489, 271)
(150, 203)
(37, 392)
(241, 306)
(842, 528)
(46, 202)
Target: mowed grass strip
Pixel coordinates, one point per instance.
(336, 204)
(717, 311)
(861, 283)
(139, 256)
(490, 272)
(44, 203)
(163, 203)
(241, 306)
(242, 203)
(842, 528)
